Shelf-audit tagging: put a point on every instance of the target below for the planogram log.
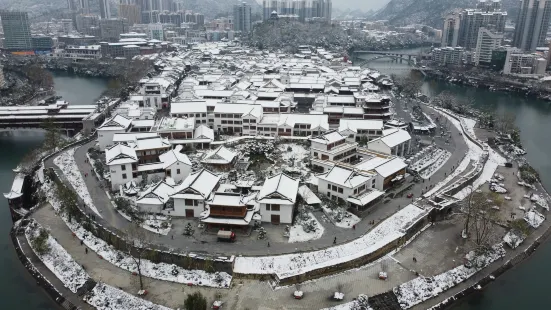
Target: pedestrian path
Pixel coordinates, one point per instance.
(69, 296)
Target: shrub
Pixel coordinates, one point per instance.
(195, 301)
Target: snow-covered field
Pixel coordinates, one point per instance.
(160, 271)
(420, 289)
(105, 297)
(289, 265)
(58, 260)
(347, 221)
(66, 163)
(297, 233)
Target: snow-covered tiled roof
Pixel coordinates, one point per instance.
(132, 136)
(227, 199)
(308, 195)
(186, 107)
(328, 137)
(345, 177)
(201, 182)
(170, 157)
(120, 154)
(220, 155)
(157, 194)
(277, 187)
(391, 167)
(394, 137)
(150, 143)
(203, 132)
(117, 122)
(362, 124)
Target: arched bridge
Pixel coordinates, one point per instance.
(409, 57)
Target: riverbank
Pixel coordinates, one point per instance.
(531, 90)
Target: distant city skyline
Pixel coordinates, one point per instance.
(364, 5)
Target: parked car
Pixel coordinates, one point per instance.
(226, 235)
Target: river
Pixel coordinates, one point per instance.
(18, 289)
(525, 286)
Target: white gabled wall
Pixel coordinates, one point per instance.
(180, 208)
(105, 138)
(185, 170)
(285, 213)
(117, 175)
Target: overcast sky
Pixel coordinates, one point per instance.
(356, 4)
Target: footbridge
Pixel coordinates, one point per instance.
(69, 118)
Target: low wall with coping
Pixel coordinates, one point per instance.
(413, 229)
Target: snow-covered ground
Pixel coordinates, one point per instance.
(353, 305)
(105, 297)
(289, 265)
(160, 271)
(66, 163)
(420, 289)
(348, 220)
(297, 233)
(58, 260)
(293, 159)
(151, 223)
(440, 159)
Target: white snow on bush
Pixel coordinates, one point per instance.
(534, 218)
(66, 163)
(348, 219)
(289, 265)
(105, 297)
(160, 271)
(420, 289)
(297, 233)
(58, 261)
(513, 239)
(540, 201)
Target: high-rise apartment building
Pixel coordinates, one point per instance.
(532, 24)
(487, 14)
(301, 9)
(450, 34)
(87, 24)
(104, 9)
(132, 13)
(17, 31)
(488, 41)
(242, 17)
(112, 28)
(84, 6)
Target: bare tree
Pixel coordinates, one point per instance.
(480, 209)
(138, 240)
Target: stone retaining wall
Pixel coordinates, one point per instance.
(185, 260)
(355, 263)
(56, 296)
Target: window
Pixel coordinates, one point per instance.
(123, 167)
(190, 202)
(124, 176)
(340, 190)
(272, 207)
(315, 154)
(329, 186)
(177, 171)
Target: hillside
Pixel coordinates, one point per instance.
(430, 12)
